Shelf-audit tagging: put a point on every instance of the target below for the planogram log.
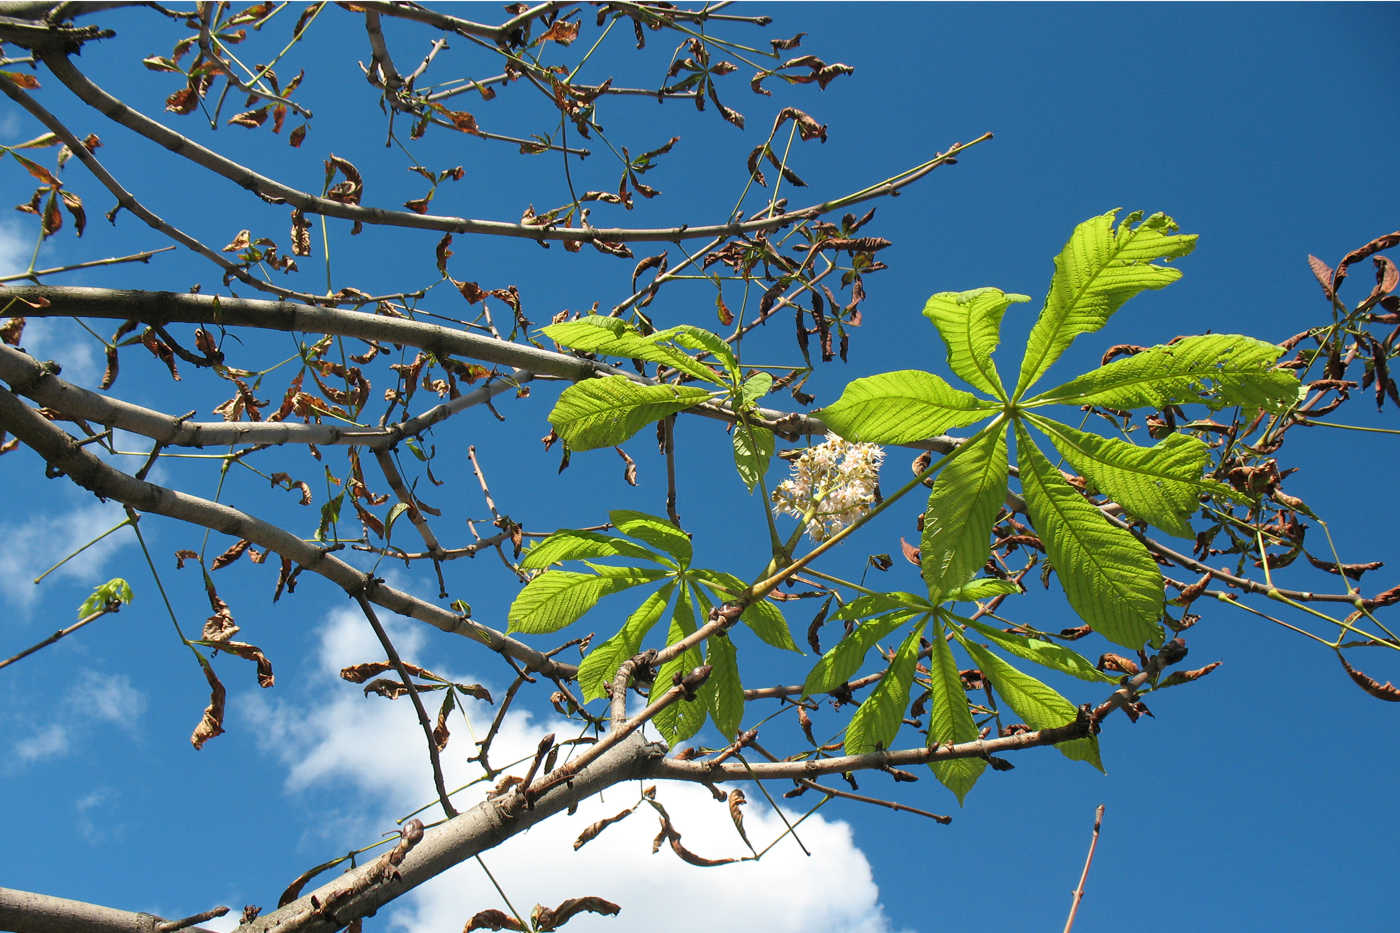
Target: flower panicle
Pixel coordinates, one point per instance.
(832, 486)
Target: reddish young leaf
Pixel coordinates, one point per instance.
(28, 81)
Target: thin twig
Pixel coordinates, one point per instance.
(1084, 875)
(111, 607)
(394, 659)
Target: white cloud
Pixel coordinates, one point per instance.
(377, 747)
(110, 697)
(49, 742)
(104, 828)
(45, 539)
(16, 246)
(62, 341)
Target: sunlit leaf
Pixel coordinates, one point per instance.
(683, 718)
(949, 719)
(1100, 268)
(558, 598)
(903, 406)
(970, 323)
(846, 656)
(568, 544)
(1045, 653)
(613, 337)
(1040, 706)
(966, 497)
(727, 693)
(874, 725)
(1107, 574)
(753, 450)
(597, 670)
(605, 412)
(657, 532)
(1161, 484)
(1213, 370)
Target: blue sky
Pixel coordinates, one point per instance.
(1255, 799)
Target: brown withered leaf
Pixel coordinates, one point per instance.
(1381, 691)
(443, 252)
(1118, 664)
(492, 920)
(75, 208)
(463, 121)
(31, 83)
(545, 919)
(284, 574)
(11, 331)
(212, 723)
(1185, 677)
(161, 350)
(359, 673)
(736, 814)
(183, 555)
(219, 626)
(1361, 252)
(612, 249)
(911, 553)
(301, 233)
(53, 217)
(252, 119)
(182, 101)
(297, 136)
(389, 689)
(1353, 571)
(251, 653)
(629, 473)
(418, 205)
(472, 292)
(785, 45)
(240, 242)
(559, 31)
(230, 555)
(591, 831)
(1323, 273)
(440, 731)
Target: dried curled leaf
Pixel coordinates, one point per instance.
(492, 920)
(591, 831)
(546, 919)
(1381, 691)
(212, 722)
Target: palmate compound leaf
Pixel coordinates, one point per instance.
(903, 406)
(962, 506)
(1215, 370)
(1045, 653)
(1109, 578)
(605, 412)
(970, 324)
(558, 598)
(949, 719)
(877, 721)
(613, 337)
(761, 616)
(1040, 706)
(1100, 268)
(1161, 484)
(597, 670)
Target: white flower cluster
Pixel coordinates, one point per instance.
(835, 481)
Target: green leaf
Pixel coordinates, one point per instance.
(1045, 653)
(605, 412)
(846, 656)
(877, 721)
(762, 616)
(1099, 269)
(613, 337)
(558, 598)
(981, 588)
(697, 338)
(756, 386)
(1108, 576)
(1215, 370)
(949, 719)
(567, 544)
(394, 513)
(657, 532)
(114, 590)
(903, 406)
(600, 666)
(970, 323)
(330, 514)
(683, 718)
(963, 506)
(727, 693)
(1161, 484)
(753, 450)
(1040, 706)
(876, 603)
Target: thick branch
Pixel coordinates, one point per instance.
(27, 912)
